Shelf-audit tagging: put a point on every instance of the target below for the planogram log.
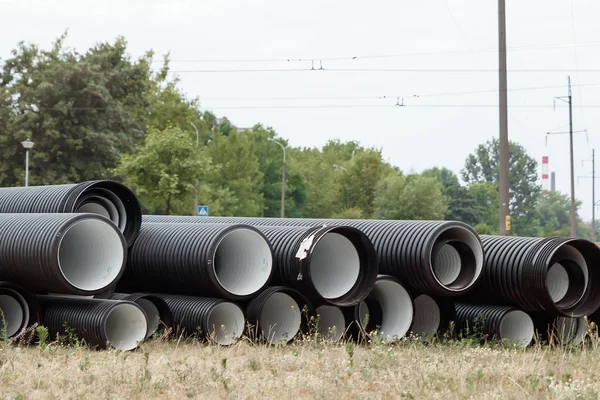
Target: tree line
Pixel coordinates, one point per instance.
(101, 114)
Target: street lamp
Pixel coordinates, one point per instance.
(282, 177)
(27, 145)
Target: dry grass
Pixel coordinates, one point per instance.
(311, 370)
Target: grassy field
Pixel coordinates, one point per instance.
(308, 370)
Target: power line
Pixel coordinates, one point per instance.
(376, 56)
(432, 70)
(383, 97)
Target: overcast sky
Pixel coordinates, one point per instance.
(428, 41)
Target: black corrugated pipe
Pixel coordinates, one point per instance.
(558, 276)
(80, 254)
(156, 309)
(334, 264)
(432, 315)
(387, 312)
(443, 258)
(560, 330)
(104, 197)
(495, 323)
(332, 322)
(118, 323)
(18, 309)
(278, 314)
(234, 262)
(217, 320)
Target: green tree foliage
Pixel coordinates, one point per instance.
(485, 196)
(410, 197)
(461, 204)
(554, 209)
(482, 166)
(164, 169)
(238, 176)
(75, 107)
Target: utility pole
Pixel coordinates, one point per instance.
(573, 210)
(504, 216)
(593, 160)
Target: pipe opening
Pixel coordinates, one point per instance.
(457, 259)
(332, 323)
(575, 265)
(447, 264)
(126, 326)
(225, 323)
(12, 316)
(427, 317)
(557, 282)
(334, 265)
(571, 330)
(243, 261)
(152, 314)
(517, 327)
(396, 309)
(280, 318)
(90, 254)
(103, 202)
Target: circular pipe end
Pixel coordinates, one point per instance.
(11, 317)
(557, 282)
(517, 328)
(126, 326)
(243, 262)
(427, 317)
(334, 265)
(91, 254)
(280, 318)
(457, 259)
(332, 323)
(225, 323)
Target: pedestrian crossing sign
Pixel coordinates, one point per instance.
(203, 211)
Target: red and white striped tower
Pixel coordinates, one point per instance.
(545, 176)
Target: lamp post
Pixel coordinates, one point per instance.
(282, 177)
(27, 145)
(196, 183)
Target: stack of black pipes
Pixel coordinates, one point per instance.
(82, 259)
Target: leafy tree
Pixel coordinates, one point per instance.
(483, 166)
(410, 197)
(238, 175)
(554, 209)
(164, 169)
(485, 196)
(461, 204)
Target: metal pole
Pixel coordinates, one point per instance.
(282, 178)
(573, 209)
(196, 183)
(26, 167)
(504, 183)
(594, 195)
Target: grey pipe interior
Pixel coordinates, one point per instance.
(334, 265)
(280, 318)
(570, 259)
(331, 322)
(152, 314)
(243, 262)
(126, 326)
(557, 282)
(458, 263)
(90, 254)
(12, 316)
(396, 310)
(517, 328)
(226, 323)
(103, 202)
(426, 321)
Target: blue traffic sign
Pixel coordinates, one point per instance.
(203, 211)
